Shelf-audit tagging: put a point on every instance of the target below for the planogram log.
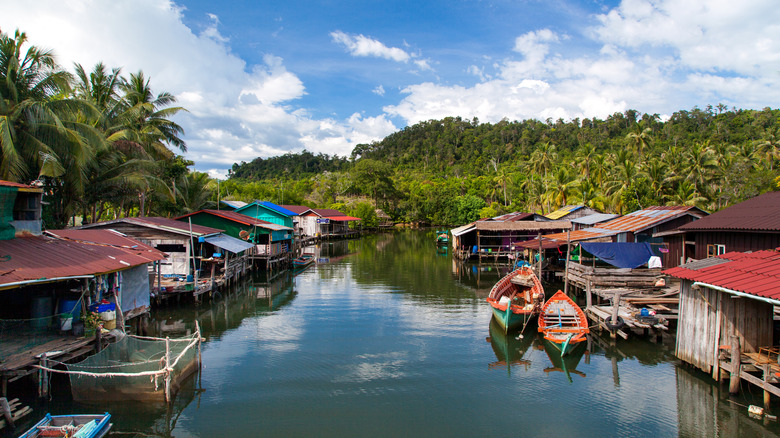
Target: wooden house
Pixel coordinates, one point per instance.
(268, 212)
(180, 242)
(384, 219)
(301, 226)
(500, 236)
(726, 310)
(272, 242)
(751, 225)
(322, 222)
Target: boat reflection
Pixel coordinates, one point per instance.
(509, 349)
(566, 364)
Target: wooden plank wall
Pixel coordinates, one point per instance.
(709, 318)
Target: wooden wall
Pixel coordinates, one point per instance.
(734, 241)
(709, 318)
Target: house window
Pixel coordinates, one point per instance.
(715, 250)
(169, 248)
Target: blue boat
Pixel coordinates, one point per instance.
(71, 426)
(304, 260)
(442, 237)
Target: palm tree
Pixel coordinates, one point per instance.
(639, 138)
(562, 188)
(37, 125)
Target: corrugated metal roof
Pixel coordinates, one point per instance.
(234, 204)
(228, 243)
(21, 187)
(761, 213)
(563, 211)
(297, 209)
(37, 258)
(594, 218)
(581, 235)
(523, 225)
(649, 217)
(328, 212)
(510, 217)
(462, 229)
(756, 273)
(279, 208)
(105, 237)
(159, 223)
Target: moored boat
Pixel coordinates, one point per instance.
(563, 324)
(442, 237)
(516, 298)
(76, 426)
(303, 260)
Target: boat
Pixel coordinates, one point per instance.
(563, 323)
(71, 426)
(442, 237)
(516, 298)
(303, 260)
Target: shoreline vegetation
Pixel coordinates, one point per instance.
(103, 145)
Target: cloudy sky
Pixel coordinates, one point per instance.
(261, 78)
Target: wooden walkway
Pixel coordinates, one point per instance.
(19, 365)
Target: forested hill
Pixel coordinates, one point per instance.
(453, 170)
(293, 166)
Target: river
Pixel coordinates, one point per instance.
(387, 336)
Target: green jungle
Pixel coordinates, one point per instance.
(103, 145)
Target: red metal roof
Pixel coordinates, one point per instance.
(106, 237)
(297, 209)
(26, 187)
(41, 257)
(761, 213)
(229, 215)
(756, 273)
(343, 218)
(159, 223)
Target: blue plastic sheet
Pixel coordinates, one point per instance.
(620, 254)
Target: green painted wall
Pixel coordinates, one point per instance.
(264, 213)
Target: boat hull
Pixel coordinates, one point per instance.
(91, 426)
(516, 298)
(509, 320)
(563, 323)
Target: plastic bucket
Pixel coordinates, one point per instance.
(69, 310)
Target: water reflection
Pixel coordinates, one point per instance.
(566, 364)
(509, 348)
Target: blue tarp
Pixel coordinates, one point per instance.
(620, 254)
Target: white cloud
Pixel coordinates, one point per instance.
(360, 45)
(379, 90)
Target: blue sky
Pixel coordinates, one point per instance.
(262, 78)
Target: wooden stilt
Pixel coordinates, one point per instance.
(767, 394)
(168, 372)
(566, 268)
(6, 408)
(736, 365)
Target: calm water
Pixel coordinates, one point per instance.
(386, 336)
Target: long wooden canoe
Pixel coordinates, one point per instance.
(516, 298)
(563, 323)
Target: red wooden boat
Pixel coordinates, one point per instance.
(516, 298)
(563, 323)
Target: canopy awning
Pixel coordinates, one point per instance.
(534, 244)
(228, 243)
(343, 218)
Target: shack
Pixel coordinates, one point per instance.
(727, 317)
(325, 223)
(272, 242)
(268, 212)
(499, 237)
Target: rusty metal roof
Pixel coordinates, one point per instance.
(634, 222)
(756, 273)
(761, 213)
(105, 237)
(23, 187)
(159, 223)
(523, 225)
(42, 258)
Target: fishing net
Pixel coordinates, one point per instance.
(133, 369)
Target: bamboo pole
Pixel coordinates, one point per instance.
(566, 268)
(168, 370)
(539, 236)
(736, 365)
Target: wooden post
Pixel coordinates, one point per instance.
(588, 297)
(566, 268)
(736, 365)
(767, 394)
(615, 307)
(98, 340)
(539, 236)
(43, 381)
(167, 371)
(6, 408)
(159, 275)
